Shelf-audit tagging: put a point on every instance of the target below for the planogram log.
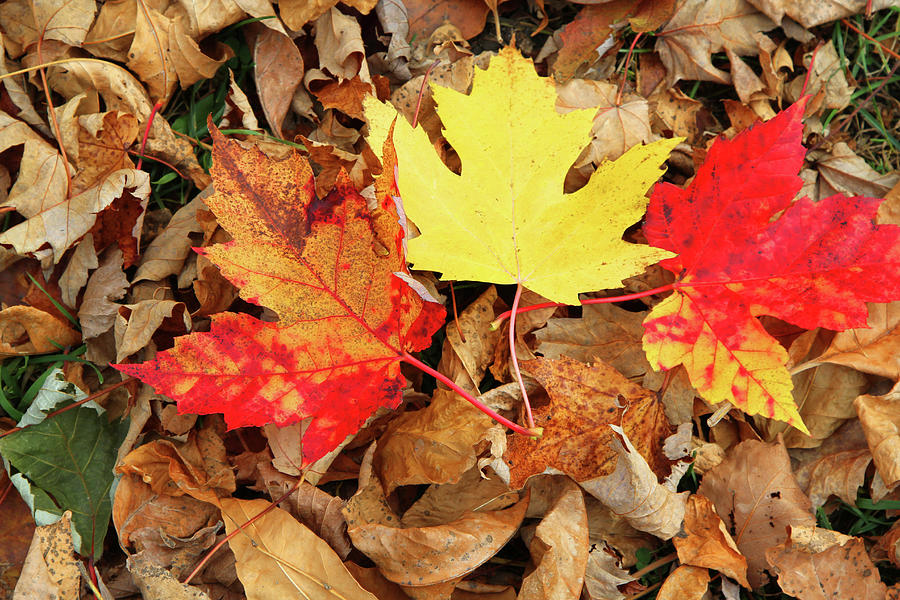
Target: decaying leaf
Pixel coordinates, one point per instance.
(706, 543)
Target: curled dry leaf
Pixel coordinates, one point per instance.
(699, 28)
(634, 492)
(604, 574)
(278, 70)
(559, 547)
(756, 495)
(837, 467)
(97, 313)
(584, 401)
(156, 583)
(277, 557)
(685, 583)
(880, 421)
(432, 445)
(28, 330)
(842, 570)
(136, 323)
(51, 566)
(705, 542)
(167, 252)
(427, 555)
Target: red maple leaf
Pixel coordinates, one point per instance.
(815, 264)
(333, 272)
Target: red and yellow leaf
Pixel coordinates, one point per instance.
(331, 269)
(816, 264)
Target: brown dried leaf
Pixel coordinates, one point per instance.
(827, 74)
(559, 547)
(584, 401)
(277, 557)
(756, 496)
(880, 421)
(809, 13)
(427, 15)
(278, 71)
(634, 492)
(699, 28)
(51, 566)
(604, 575)
(843, 570)
(168, 251)
(685, 583)
(28, 330)
(156, 583)
(706, 543)
(604, 332)
(432, 445)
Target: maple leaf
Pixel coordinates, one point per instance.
(817, 264)
(329, 268)
(506, 218)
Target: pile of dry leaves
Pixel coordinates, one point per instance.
(629, 492)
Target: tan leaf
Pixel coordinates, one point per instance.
(104, 38)
(620, 123)
(584, 401)
(28, 330)
(699, 28)
(425, 556)
(604, 331)
(76, 274)
(63, 223)
(559, 547)
(880, 421)
(837, 467)
(843, 570)
(197, 467)
(477, 351)
(51, 566)
(756, 496)
(278, 70)
(432, 445)
(278, 558)
(604, 575)
(476, 490)
(685, 583)
(167, 252)
(156, 583)
(340, 46)
(425, 16)
(809, 13)
(827, 74)
(634, 492)
(706, 543)
(842, 171)
(66, 21)
(297, 13)
(136, 323)
(97, 313)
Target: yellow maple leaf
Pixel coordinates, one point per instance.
(506, 218)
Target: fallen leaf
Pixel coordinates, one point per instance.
(580, 38)
(327, 268)
(603, 332)
(685, 583)
(278, 71)
(706, 543)
(634, 492)
(156, 583)
(756, 495)
(515, 189)
(604, 575)
(698, 29)
(880, 421)
(97, 313)
(827, 77)
(831, 259)
(28, 330)
(559, 547)
(842, 171)
(51, 566)
(433, 445)
(277, 557)
(809, 13)
(873, 349)
(584, 401)
(427, 15)
(843, 570)
(168, 251)
(16, 532)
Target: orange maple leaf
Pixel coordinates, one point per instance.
(334, 273)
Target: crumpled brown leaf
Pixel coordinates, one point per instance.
(136, 323)
(278, 71)
(756, 495)
(843, 569)
(633, 491)
(584, 401)
(880, 421)
(604, 574)
(837, 467)
(428, 555)
(685, 583)
(827, 75)
(559, 547)
(706, 543)
(156, 583)
(28, 330)
(699, 28)
(51, 566)
(809, 13)
(277, 557)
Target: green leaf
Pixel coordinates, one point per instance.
(66, 462)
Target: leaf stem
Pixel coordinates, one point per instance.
(513, 358)
(503, 316)
(409, 358)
